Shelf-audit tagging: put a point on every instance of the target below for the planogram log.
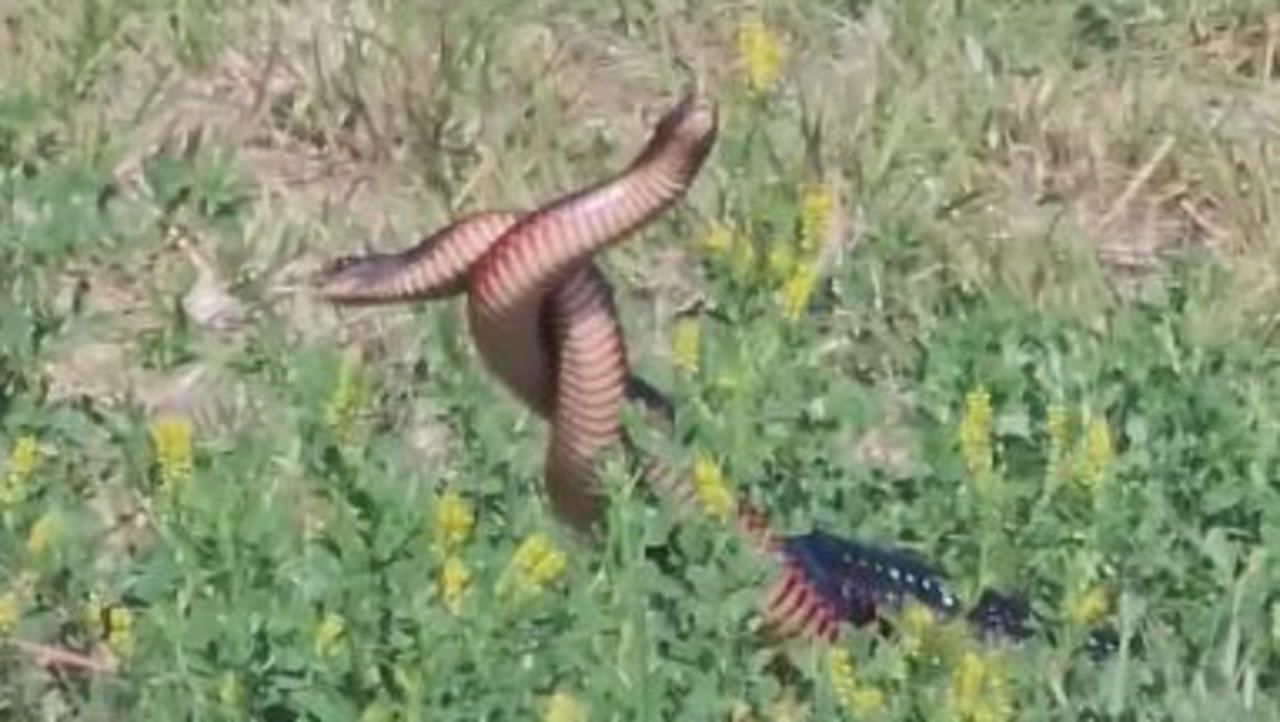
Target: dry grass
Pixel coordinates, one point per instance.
(1066, 171)
(361, 126)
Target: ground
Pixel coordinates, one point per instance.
(992, 281)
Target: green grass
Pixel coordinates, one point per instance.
(1069, 204)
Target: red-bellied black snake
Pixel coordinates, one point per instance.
(543, 319)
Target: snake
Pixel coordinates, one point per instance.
(545, 323)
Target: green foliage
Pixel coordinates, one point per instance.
(292, 567)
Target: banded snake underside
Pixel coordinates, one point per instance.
(544, 321)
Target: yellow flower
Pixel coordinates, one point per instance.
(19, 468)
(379, 710)
(840, 669)
(817, 206)
(1086, 606)
(328, 634)
(454, 578)
(1096, 455)
(967, 682)
(950, 638)
(230, 692)
(710, 486)
(975, 434)
(685, 339)
(344, 404)
(10, 610)
(759, 52)
(42, 533)
(719, 239)
(564, 707)
(315, 515)
(92, 614)
(917, 622)
(797, 289)
(13, 599)
(535, 563)
(120, 631)
(979, 690)
(171, 443)
(862, 700)
(743, 260)
(741, 712)
(866, 701)
(454, 521)
(781, 260)
(23, 457)
(1058, 426)
(727, 381)
(117, 621)
(787, 709)
(723, 241)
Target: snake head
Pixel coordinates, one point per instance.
(855, 578)
(353, 278)
(1001, 615)
(1010, 616)
(685, 134)
(336, 266)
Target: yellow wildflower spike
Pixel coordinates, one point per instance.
(975, 435)
(866, 701)
(797, 289)
(759, 52)
(917, 623)
(536, 563)
(979, 690)
(230, 692)
(120, 638)
(11, 601)
(787, 709)
(861, 699)
(1096, 455)
(454, 579)
(344, 404)
(709, 484)
(1058, 427)
(171, 444)
(379, 710)
(454, 522)
(328, 635)
(817, 207)
(19, 468)
(42, 533)
(719, 239)
(840, 670)
(743, 258)
(781, 261)
(685, 343)
(91, 616)
(564, 707)
(1086, 606)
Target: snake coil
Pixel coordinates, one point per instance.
(543, 319)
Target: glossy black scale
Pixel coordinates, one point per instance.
(856, 577)
(997, 615)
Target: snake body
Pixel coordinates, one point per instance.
(574, 350)
(512, 280)
(543, 319)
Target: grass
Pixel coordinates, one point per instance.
(995, 281)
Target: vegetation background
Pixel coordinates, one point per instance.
(994, 281)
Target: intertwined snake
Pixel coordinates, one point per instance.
(543, 319)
